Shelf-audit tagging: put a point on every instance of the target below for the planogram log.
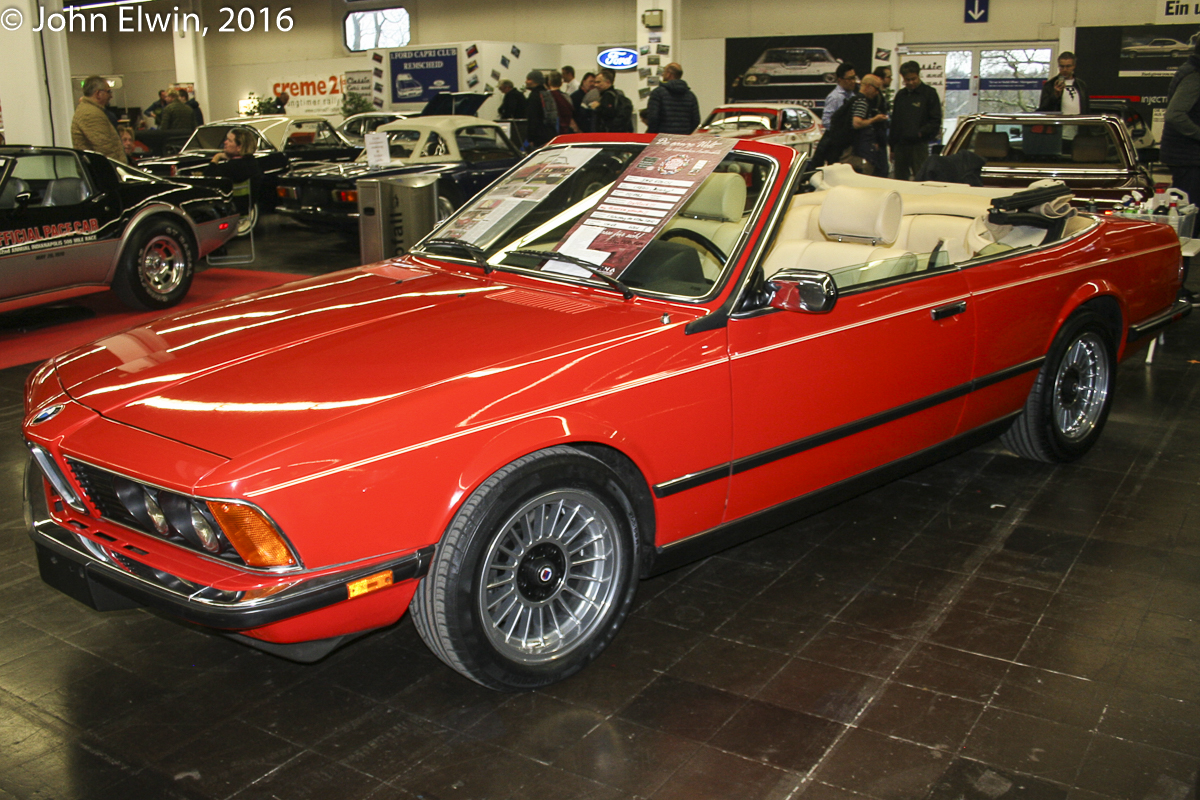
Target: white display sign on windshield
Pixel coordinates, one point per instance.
(378, 154)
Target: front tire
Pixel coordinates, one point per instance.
(157, 266)
(535, 574)
(1070, 400)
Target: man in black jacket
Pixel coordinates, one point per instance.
(672, 107)
(1065, 93)
(1180, 145)
(613, 110)
(541, 112)
(916, 119)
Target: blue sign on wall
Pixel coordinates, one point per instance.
(618, 58)
(418, 76)
(975, 11)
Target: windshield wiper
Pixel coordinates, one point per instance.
(476, 252)
(625, 291)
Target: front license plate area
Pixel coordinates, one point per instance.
(72, 579)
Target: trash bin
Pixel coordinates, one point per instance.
(394, 214)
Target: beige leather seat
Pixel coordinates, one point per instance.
(715, 212)
(859, 225)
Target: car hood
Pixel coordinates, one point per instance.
(232, 377)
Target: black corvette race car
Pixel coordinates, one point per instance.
(73, 222)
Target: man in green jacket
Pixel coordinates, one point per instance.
(177, 116)
(91, 128)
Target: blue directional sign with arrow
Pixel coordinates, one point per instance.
(975, 11)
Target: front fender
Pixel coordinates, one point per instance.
(516, 441)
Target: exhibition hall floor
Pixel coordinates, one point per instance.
(986, 628)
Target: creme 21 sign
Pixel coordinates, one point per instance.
(618, 58)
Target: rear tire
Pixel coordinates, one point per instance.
(247, 222)
(535, 574)
(1070, 400)
(157, 266)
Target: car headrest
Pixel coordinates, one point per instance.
(722, 197)
(8, 197)
(65, 192)
(991, 145)
(1090, 149)
(867, 214)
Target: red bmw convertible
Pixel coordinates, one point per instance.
(626, 354)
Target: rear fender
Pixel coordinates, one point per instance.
(1091, 292)
(172, 212)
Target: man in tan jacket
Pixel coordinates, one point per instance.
(91, 128)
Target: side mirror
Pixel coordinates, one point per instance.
(803, 290)
(23, 199)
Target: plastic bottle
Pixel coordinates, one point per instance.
(1173, 217)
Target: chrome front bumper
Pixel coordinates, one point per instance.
(110, 578)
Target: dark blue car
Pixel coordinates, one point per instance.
(466, 153)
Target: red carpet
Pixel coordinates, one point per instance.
(112, 316)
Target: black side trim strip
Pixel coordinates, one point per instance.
(833, 434)
(754, 525)
(1181, 308)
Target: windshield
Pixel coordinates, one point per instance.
(400, 144)
(739, 121)
(212, 137)
(1053, 141)
(663, 218)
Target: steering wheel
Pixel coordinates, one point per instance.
(704, 242)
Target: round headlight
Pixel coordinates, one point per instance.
(153, 510)
(204, 530)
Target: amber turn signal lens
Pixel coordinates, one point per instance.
(371, 583)
(252, 535)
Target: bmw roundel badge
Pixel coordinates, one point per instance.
(47, 413)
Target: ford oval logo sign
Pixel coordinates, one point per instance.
(618, 58)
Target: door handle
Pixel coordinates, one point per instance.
(941, 312)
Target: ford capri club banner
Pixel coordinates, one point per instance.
(419, 75)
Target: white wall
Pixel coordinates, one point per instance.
(239, 63)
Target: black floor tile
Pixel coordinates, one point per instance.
(311, 775)
(1028, 745)
(536, 726)
(918, 715)
(972, 780)
(857, 649)
(1130, 769)
(883, 767)
(780, 736)
(728, 665)
(819, 689)
(682, 708)
(629, 757)
(222, 766)
(715, 773)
